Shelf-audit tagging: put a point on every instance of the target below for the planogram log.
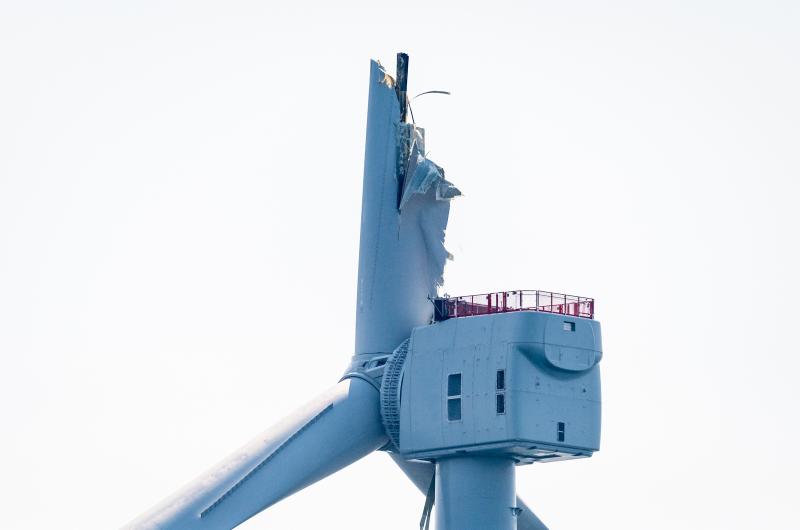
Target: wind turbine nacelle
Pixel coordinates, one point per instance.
(524, 384)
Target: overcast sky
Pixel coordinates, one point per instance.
(179, 210)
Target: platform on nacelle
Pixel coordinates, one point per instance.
(447, 307)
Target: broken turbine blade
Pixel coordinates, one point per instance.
(401, 255)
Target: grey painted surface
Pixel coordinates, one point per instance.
(475, 493)
(551, 377)
(421, 473)
(333, 431)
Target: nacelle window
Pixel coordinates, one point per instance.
(500, 392)
(454, 397)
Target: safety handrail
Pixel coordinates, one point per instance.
(507, 301)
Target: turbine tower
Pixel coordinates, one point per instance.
(459, 391)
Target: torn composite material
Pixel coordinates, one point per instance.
(402, 254)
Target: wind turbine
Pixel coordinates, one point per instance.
(457, 390)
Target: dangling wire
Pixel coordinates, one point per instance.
(445, 92)
(408, 103)
(408, 100)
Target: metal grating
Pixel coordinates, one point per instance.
(390, 393)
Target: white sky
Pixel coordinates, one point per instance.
(179, 209)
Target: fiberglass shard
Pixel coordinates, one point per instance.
(402, 254)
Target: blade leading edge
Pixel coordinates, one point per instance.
(333, 431)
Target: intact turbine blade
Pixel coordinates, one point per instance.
(421, 474)
(527, 520)
(338, 428)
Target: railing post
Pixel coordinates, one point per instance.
(503, 302)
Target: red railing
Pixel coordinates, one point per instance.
(507, 301)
